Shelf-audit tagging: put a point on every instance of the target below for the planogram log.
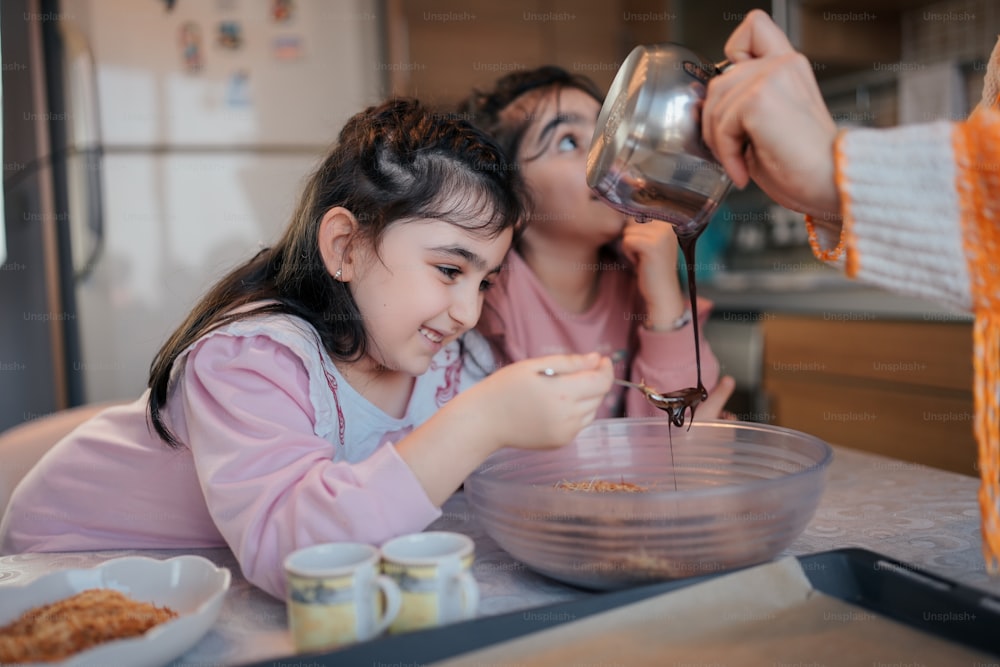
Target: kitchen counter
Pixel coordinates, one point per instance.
(925, 517)
(750, 305)
(823, 292)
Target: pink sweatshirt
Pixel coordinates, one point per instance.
(281, 453)
(521, 320)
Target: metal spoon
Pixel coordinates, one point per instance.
(674, 403)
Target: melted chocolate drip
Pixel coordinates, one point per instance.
(687, 243)
(677, 403)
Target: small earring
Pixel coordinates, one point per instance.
(338, 274)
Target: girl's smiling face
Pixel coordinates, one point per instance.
(423, 289)
(553, 161)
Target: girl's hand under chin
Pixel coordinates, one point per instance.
(652, 248)
(532, 411)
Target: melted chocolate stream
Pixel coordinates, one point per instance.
(695, 395)
(673, 466)
(676, 403)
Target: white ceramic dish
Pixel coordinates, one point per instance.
(192, 586)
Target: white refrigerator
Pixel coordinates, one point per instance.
(192, 126)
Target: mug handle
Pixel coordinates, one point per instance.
(470, 593)
(393, 602)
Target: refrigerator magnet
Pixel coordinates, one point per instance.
(282, 10)
(287, 47)
(238, 89)
(190, 41)
(230, 35)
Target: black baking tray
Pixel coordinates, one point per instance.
(882, 585)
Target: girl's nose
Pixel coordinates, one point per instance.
(466, 306)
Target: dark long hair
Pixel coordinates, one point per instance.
(485, 108)
(393, 162)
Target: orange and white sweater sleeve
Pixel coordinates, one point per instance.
(921, 216)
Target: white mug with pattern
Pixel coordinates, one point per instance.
(337, 596)
(433, 572)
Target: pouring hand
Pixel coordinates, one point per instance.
(765, 119)
(652, 248)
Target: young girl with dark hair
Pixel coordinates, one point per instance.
(582, 277)
(318, 392)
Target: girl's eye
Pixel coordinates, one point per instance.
(485, 285)
(568, 143)
(449, 272)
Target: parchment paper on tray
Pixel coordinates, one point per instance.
(764, 615)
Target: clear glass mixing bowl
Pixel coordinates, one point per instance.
(744, 492)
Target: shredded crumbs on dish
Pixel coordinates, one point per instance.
(601, 486)
(58, 630)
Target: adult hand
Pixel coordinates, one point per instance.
(765, 119)
(652, 248)
(534, 411)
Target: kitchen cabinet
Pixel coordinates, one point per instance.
(440, 51)
(897, 388)
(875, 59)
(840, 36)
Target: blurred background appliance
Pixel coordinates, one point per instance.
(150, 146)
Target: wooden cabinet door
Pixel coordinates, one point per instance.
(902, 389)
(440, 51)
